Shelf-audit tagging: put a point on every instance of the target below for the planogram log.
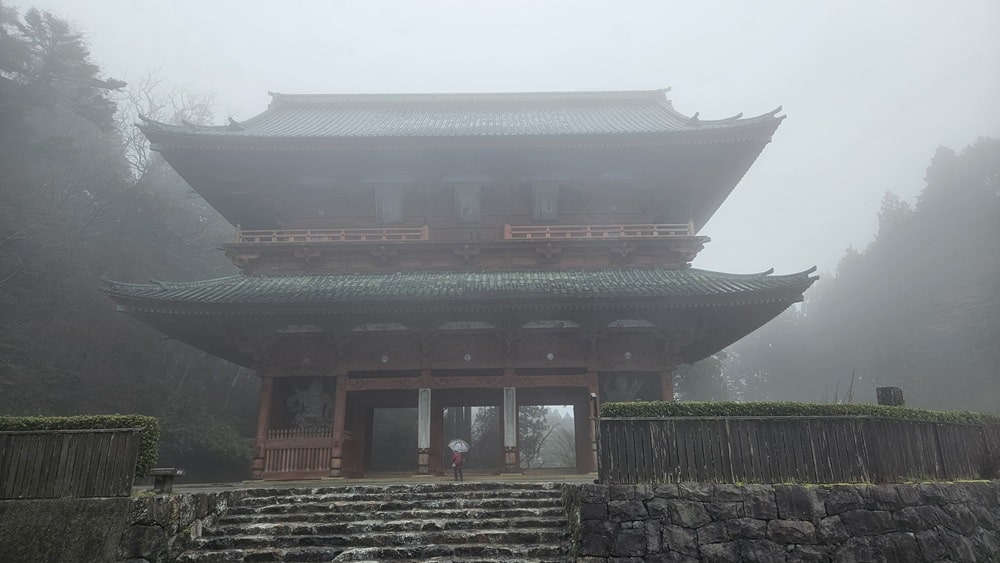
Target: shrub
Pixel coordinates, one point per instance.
(656, 409)
(149, 439)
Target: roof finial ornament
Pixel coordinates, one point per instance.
(233, 124)
(693, 120)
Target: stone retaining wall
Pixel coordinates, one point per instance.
(692, 522)
(161, 527)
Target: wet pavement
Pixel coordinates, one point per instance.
(180, 487)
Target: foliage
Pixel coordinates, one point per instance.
(83, 198)
(650, 409)
(703, 380)
(148, 441)
(918, 308)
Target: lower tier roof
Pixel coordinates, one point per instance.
(686, 286)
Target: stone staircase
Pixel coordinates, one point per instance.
(455, 522)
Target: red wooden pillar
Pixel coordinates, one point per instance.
(581, 433)
(667, 385)
(263, 425)
(339, 423)
(437, 435)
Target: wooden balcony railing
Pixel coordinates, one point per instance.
(510, 232)
(394, 234)
(514, 232)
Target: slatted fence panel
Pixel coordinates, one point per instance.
(297, 453)
(789, 449)
(68, 463)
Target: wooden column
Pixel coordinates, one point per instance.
(667, 385)
(339, 423)
(511, 456)
(423, 431)
(581, 435)
(594, 404)
(263, 425)
(437, 435)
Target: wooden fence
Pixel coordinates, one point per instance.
(789, 449)
(68, 463)
(297, 453)
(514, 232)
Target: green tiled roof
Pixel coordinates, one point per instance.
(466, 287)
(353, 116)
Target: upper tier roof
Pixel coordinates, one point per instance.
(353, 116)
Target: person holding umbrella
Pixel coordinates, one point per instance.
(458, 446)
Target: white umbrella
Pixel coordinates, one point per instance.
(458, 445)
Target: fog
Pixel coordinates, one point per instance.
(871, 89)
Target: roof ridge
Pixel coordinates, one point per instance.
(581, 95)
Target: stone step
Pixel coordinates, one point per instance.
(408, 487)
(522, 536)
(307, 505)
(458, 552)
(414, 514)
(374, 524)
(454, 522)
(469, 553)
(342, 496)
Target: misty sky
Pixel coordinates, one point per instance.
(871, 88)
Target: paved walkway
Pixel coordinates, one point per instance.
(379, 479)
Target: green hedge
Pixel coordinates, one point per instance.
(655, 409)
(147, 446)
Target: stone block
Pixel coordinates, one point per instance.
(856, 550)
(984, 517)
(931, 545)
(762, 551)
(652, 529)
(898, 546)
(713, 532)
(725, 510)
(759, 502)
(728, 493)
(882, 497)
(671, 557)
(932, 493)
(679, 539)
(746, 528)
(831, 530)
(702, 492)
(593, 511)
(142, 540)
(908, 494)
(808, 554)
(596, 538)
(689, 514)
(630, 543)
(909, 519)
(791, 531)
(658, 508)
(621, 492)
(987, 544)
(644, 491)
(594, 494)
(796, 502)
(727, 552)
(842, 498)
(868, 522)
(962, 519)
(626, 510)
(667, 490)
